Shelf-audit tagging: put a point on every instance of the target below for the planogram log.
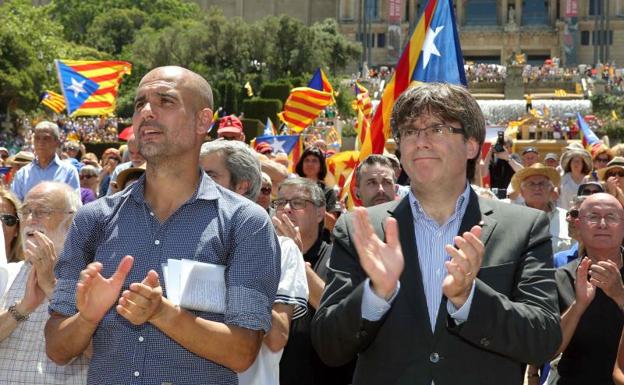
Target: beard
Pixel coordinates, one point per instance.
(56, 236)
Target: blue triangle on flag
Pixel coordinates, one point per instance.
(76, 88)
(280, 143)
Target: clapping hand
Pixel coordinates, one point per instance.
(382, 261)
(465, 263)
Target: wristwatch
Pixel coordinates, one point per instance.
(16, 314)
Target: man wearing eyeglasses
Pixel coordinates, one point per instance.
(47, 166)
(442, 287)
(45, 219)
(300, 214)
(537, 186)
(591, 295)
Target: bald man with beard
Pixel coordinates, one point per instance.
(173, 211)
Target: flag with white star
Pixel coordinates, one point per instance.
(290, 145)
(432, 54)
(90, 87)
(441, 58)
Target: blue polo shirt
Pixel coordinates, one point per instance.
(215, 226)
(32, 174)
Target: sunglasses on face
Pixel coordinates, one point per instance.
(266, 190)
(603, 160)
(616, 173)
(574, 213)
(9, 220)
(84, 176)
(589, 191)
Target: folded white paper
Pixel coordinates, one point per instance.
(195, 285)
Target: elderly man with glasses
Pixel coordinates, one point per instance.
(45, 220)
(591, 295)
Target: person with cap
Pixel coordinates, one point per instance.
(613, 178)
(16, 162)
(231, 128)
(530, 156)
(576, 164)
(536, 185)
(47, 166)
(4, 155)
(135, 160)
(264, 148)
(551, 160)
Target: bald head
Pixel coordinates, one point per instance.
(183, 78)
(601, 199)
(600, 225)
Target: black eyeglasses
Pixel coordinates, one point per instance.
(574, 213)
(266, 190)
(9, 220)
(436, 131)
(603, 160)
(295, 204)
(86, 176)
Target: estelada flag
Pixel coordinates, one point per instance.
(90, 87)
(433, 54)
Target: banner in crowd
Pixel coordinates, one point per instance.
(588, 137)
(90, 87)
(53, 101)
(432, 54)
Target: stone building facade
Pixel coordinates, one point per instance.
(577, 31)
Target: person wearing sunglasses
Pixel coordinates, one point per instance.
(613, 177)
(264, 198)
(89, 181)
(9, 209)
(601, 157)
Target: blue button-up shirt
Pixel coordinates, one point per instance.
(32, 174)
(214, 226)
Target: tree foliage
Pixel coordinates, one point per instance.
(149, 33)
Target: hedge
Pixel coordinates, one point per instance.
(259, 108)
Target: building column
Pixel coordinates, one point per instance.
(504, 12)
(552, 12)
(240, 4)
(518, 12)
(459, 7)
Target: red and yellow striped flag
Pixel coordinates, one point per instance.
(304, 104)
(105, 74)
(53, 101)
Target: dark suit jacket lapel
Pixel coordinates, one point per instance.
(478, 211)
(411, 279)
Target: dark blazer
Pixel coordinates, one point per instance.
(513, 319)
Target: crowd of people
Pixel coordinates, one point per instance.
(439, 277)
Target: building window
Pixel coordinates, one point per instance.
(347, 9)
(595, 7)
(481, 12)
(381, 40)
(534, 12)
(599, 38)
(373, 9)
(584, 37)
(406, 12)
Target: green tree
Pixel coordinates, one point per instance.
(29, 43)
(336, 49)
(112, 31)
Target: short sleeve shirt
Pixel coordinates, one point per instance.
(214, 226)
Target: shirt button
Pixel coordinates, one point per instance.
(151, 213)
(141, 339)
(157, 242)
(434, 358)
(136, 374)
(485, 342)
